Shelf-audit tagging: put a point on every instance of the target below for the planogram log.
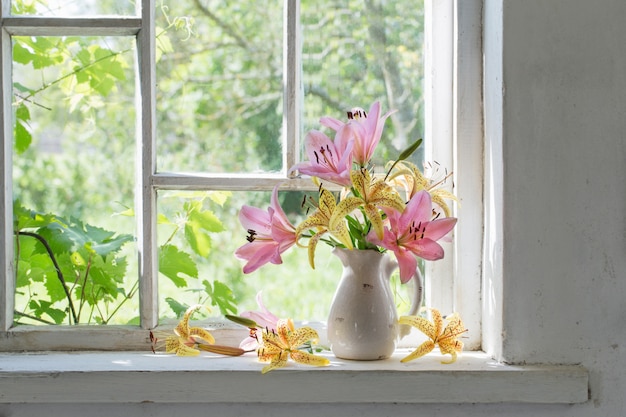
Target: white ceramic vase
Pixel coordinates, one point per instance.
(363, 321)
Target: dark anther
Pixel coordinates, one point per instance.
(251, 234)
(317, 158)
(303, 202)
(350, 115)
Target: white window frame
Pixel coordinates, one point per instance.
(450, 135)
(475, 378)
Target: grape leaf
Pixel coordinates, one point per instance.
(178, 308)
(221, 296)
(199, 223)
(42, 307)
(174, 264)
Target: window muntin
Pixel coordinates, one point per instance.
(149, 180)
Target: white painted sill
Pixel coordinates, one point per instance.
(137, 377)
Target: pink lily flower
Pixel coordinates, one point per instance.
(269, 235)
(414, 233)
(367, 129)
(328, 160)
(264, 318)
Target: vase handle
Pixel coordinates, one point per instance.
(416, 304)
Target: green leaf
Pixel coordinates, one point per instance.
(221, 296)
(74, 235)
(175, 264)
(405, 154)
(199, 242)
(409, 150)
(199, 222)
(45, 53)
(23, 138)
(53, 285)
(22, 112)
(22, 88)
(162, 219)
(220, 197)
(84, 57)
(111, 245)
(103, 279)
(24, 218)
(204, 219)
(103, 85)
(21, 54)
(42, 307)
(178, 308)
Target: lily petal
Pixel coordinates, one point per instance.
(309, 359)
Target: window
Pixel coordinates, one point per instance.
(165, 167)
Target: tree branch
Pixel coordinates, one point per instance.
(226, 28)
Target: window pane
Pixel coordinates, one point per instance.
(355, 53)
(73, 8)
(198, 235)
(219, 86)
(73, 164)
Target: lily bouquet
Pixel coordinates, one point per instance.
(401, 210)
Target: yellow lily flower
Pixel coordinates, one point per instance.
(411, 178)
(277, 347)
(446, 339)
(372, 194)
(186, 340)
(319, 221)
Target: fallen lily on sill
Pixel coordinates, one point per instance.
(277, 346)
(446, 339)
(188, 341)
(278, 339)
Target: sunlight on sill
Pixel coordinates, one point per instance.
(132, 377)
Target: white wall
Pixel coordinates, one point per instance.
(563, 130)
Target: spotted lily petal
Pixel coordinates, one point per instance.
(278, 346)
(446, 339)
(277, 361)
(372, 195)
(421, 350)
(202, 334)
(420, 323)
(174, 344)
(183, 326)
(307, 358)
(319, 221)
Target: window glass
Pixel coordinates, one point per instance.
(357, 52)
(73, 8)
(202, 230)
(73, 179)
(220, 86)
(199, 233)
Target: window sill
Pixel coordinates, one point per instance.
(139, 377)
